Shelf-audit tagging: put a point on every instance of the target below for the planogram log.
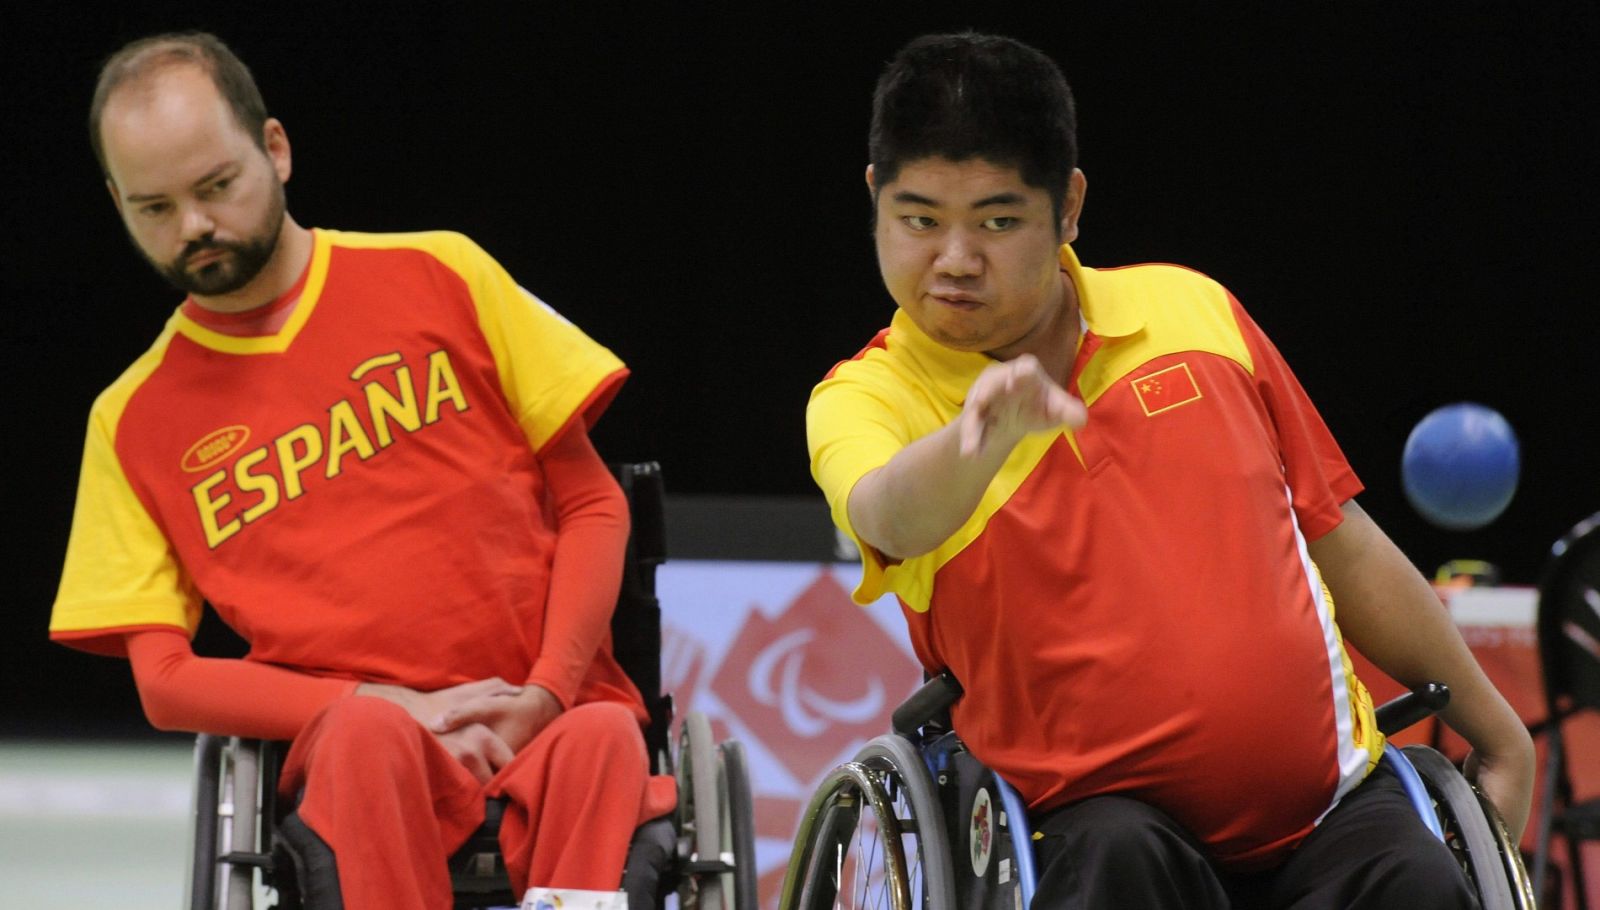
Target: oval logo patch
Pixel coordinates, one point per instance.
(214, 447)
(980, 832)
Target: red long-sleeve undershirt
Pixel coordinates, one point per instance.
(183, 691)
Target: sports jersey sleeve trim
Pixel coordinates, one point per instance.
(874, 568)
(112, 640)
(839, 461)
(589, 412)
(120, 570)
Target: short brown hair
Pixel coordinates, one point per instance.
(146, 56)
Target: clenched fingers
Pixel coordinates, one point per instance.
(478, 749)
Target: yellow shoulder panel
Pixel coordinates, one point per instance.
(1183, 311)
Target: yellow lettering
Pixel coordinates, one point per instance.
(311, 441)
(442, 386)
(383, 406)
(345, 434)
(211, 506)
(265, 484)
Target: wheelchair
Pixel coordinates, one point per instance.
(1569, 626)
(914, 822)
(247, 842)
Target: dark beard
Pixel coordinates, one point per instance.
(242, 260)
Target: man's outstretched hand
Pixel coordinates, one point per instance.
(1011, 399)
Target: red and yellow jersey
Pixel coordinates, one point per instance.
(1131, 608)
(359, 493)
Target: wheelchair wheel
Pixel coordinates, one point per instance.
(737, 824)
(1474, 833)
(873, 836)
(699, 817)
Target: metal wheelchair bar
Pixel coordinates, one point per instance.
(1402, 712)
(242, 779)
(1021, 838)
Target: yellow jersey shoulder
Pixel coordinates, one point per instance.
(1151, 311)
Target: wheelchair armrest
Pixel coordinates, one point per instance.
(931, 700)
(1402, 712)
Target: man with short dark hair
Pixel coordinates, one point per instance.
(370, 454)
(1107, 506)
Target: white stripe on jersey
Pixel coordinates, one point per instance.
(1352, 761)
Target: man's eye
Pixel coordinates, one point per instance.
(218, 187)
(917, 222)
(154, 209)
(1000, 223)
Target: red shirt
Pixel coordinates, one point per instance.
(389, 428)
(1131, 609)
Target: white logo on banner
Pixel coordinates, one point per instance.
(804, 710)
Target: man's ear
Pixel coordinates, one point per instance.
(1072, 206)
(276, 141)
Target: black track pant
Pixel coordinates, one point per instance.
(1372, 852)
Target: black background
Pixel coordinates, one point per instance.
(1404, 199)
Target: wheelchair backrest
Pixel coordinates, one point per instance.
(636, 623)
(1569, 620)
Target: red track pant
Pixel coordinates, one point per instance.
(393, 804)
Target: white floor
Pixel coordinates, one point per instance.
(87, 826)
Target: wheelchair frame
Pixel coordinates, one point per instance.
(897, 777)
(1568, 625)
(710, 854)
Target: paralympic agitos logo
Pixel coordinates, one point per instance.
(819, 677)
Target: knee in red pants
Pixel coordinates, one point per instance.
(387, 798)
(358, 726)
(577, 793)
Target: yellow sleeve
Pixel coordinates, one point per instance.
(851, 430)
(550, 371)
(120, 572)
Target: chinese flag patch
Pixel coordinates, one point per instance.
(1165, 389)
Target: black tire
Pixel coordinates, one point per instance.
(910, 787)
(1472, 831)
(737, 824)
(872, 836)
(699, 821)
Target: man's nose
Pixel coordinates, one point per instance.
(959, 255)
(197, 223)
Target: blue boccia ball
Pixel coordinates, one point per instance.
(1460, 466)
